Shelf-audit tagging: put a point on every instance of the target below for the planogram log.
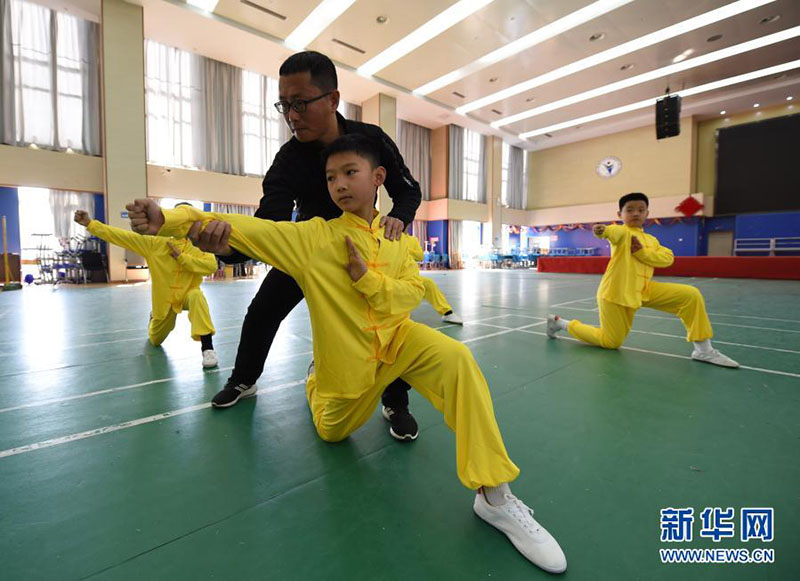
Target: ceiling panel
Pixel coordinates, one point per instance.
(651, 58)
(247, 13)
(358, 27)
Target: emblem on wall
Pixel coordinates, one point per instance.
(608, 167)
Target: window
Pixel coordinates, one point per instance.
(471, 239)
(473, 160)
(48, 82)
(169, 96)
(261, 124)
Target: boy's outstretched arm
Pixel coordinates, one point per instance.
(656, 256)
(286, 245)
(386, 294)
(140, 244)
(613, 233)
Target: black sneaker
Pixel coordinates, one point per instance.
(404, 426)
(231, 393)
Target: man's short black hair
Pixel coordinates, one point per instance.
(361, 145)
(323, 73)
(631, 197)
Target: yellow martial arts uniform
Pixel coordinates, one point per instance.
(627, 285)
(175, 281)
(433, 294)
(363, 336)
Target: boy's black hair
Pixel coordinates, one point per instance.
(323, 73)
(183, 204)
(361, 145)
(631, 197)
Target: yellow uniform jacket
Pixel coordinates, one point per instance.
(356, 325)
(627, 278)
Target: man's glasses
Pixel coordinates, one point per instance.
(298, 105)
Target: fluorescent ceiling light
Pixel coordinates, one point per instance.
(320, 18)
(626, 48)
(207, 5)
(650, 102)
(651, 75)
(434, 27)
(538, 36)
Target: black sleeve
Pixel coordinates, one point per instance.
(277, 200)
(400, 184)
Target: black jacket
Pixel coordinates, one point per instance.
(297, 178)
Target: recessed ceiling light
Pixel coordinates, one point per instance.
(493, 80)
(789, 98)
(529, 99)
(723, 112)
(684, 55)
(714, 38)
(459, 95)
(381, 19)
(770, 19)
(627, 67)
(781, 76)
(651, 39)
(597, 36)
(756, 105)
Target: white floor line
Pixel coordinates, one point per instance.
(166, 415)
(752, 317)
(759, 369)
(718, 342)
(134, 386)
(141, 338)
(713, 323)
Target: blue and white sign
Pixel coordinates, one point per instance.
(608, 167)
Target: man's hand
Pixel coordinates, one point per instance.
(393, 228)
(82, 217)
(598, 229)
(172, 250)
(213, 238)
(636, 246)
(356, 267)
(145, 216)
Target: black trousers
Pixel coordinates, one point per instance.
(278, 295)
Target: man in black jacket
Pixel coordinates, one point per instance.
(296, 180)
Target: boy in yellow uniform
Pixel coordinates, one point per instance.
(360, 289)
(177, 269)
(627, 285)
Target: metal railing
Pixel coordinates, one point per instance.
(771, 246)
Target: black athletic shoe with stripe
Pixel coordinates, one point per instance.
(403, 425)
(232, 393)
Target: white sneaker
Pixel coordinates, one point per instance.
(515, 519)
(715, 358)
(553, 326)
(452, 318)
(210, 358)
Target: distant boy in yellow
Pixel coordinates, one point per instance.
(360, 289)
(177, 269)
(627, 285)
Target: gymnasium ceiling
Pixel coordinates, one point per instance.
(251, 33)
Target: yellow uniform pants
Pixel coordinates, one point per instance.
(616, 321)
(446, 374)
(435, 296)
(199, 317)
